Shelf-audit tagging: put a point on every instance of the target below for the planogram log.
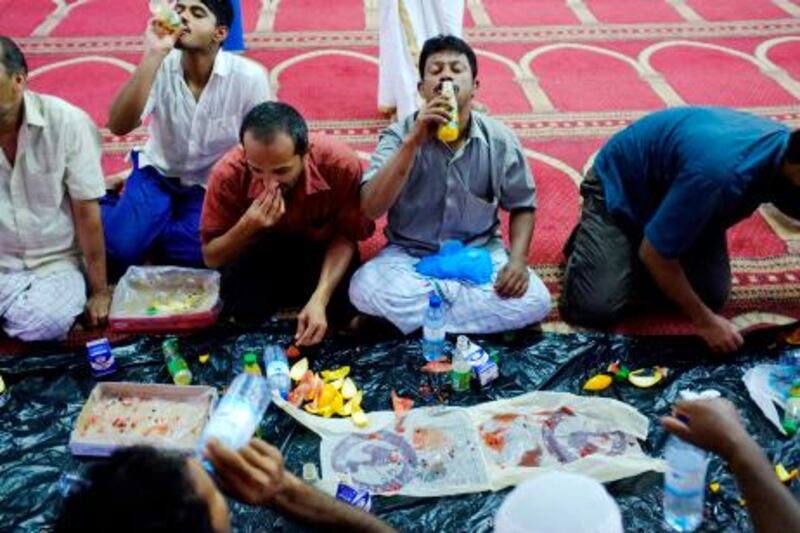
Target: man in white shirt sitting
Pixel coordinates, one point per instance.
(50, 181)
(195, 96)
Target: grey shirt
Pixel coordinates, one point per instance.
(455, 195)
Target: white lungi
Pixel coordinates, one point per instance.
(398, 73)
(388, 286)
(41, 308)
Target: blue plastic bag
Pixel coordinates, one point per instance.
(456, 261)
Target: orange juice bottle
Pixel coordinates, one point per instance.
(448, 132)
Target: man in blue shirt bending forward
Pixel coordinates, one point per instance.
(656, 205)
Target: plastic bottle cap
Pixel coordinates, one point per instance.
(790, 426)
(435, 300)
(250, 358)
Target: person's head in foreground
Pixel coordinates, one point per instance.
(448, 58)
(786, 195)
(205, 24)
(142, 489)
(13, 76)
(559, 502)
(145, 489)
(275, 140)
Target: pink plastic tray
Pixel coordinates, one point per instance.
(120, 414)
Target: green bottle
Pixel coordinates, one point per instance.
(461, 373)
(251, 364)
(176, 364)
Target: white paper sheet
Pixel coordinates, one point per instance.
(446, 450)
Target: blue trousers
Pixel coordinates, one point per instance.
(155, 218)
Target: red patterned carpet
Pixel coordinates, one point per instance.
(563, 74)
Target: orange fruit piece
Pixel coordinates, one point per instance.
(598, 383)
(292, 352)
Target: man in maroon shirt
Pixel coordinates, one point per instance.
(281, 220)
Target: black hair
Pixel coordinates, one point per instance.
(793, 150)
(11, 56)
(268, 119)
(447, 43)
(222, 9)
(139, 489)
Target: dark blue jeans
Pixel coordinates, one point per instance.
(155, 218)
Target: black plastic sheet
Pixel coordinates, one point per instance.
(46, 393)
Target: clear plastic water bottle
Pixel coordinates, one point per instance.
(433, 329)
(239, 412)
(684, 484)
(277, 368)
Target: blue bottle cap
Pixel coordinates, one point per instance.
(434, 300)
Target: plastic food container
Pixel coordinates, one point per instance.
(157, 299)
(119, 414)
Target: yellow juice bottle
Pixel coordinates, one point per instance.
(165, 16)
(448, 132)
(251, 364)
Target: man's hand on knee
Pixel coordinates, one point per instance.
(97, 308)
(513, 279)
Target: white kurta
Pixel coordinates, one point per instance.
(42, 288)
(41, 307)
(404, 22)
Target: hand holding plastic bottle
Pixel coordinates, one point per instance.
(253, 475)
(714, 425)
